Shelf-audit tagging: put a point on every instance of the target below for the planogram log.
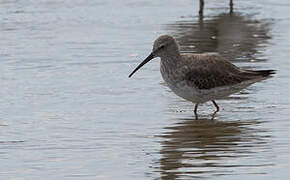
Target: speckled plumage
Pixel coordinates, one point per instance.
(200, 77)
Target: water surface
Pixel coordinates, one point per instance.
(68, 110)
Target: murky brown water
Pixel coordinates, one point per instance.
(68, 110)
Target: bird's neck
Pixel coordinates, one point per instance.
(171, 60)
(169, 67)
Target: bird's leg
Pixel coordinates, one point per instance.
(201, 4)
(195, 111)
(231, 6)
(217, 107)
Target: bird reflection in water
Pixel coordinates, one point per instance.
(205, 147)
(237, 37)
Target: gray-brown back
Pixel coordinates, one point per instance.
(207, 71)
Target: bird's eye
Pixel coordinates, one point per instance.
(161, 46)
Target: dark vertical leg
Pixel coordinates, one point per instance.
(195, 110)
(217, 107)
(201, 4)
(231, 6)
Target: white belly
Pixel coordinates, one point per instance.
(188, 91)
(195, 95)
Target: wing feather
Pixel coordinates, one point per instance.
(208, 71)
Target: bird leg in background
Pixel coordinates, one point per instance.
(201, 4)
(231, 6)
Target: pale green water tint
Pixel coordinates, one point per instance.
(68, 110)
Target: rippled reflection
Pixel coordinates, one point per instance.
(235, 36)
(204, 148)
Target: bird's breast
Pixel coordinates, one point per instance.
(179, 86)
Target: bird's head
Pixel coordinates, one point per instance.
(163, 46)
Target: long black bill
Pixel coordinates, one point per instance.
(151, 56)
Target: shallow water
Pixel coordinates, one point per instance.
(68, 110)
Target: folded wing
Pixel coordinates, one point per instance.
(208, 71)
